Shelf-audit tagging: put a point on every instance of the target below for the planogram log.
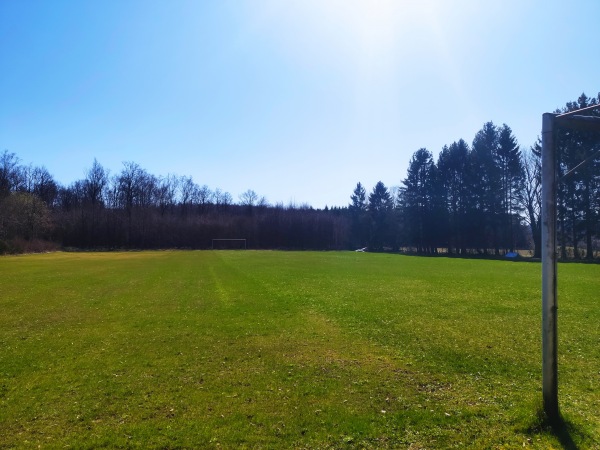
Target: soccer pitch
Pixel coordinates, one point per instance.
(263, 349)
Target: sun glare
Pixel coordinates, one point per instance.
(358, 31)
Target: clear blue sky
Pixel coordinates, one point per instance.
(297, 100)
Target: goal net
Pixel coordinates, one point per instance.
(229, 244)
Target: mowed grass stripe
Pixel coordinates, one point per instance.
(278, 349)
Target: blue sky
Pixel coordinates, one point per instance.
(297, 100)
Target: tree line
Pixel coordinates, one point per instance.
(134, 209)
(485, 198)
(482, 198)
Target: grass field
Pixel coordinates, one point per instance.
(289, 350)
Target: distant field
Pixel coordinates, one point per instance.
(289, 349)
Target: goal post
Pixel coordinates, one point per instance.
(572, 120)
(229, 244)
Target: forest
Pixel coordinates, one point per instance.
(477, 199)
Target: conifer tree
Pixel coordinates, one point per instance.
(380, 208)
(454, 178)
(418, 200)
(358, 214)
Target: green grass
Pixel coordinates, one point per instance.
(294, 350)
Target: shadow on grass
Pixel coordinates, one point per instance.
(565, 431)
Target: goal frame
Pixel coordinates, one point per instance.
(229, 240)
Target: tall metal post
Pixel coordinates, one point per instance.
(549, 255)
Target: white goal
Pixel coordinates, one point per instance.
(229, 244)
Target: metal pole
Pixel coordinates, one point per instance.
(549, 254)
